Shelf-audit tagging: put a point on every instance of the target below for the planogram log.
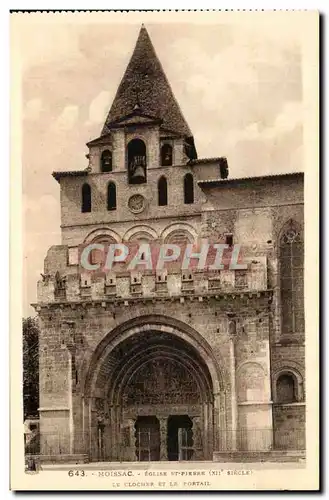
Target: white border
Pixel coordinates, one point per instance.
(4, 197)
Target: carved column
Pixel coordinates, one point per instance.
(222, 435)
(131, 451)
(163, 438)
(197, 438)
(234, 404)
(100, 436)
(99, 410)
(216, 425)
(205, 430)
(69, 344)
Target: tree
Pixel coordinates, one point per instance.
(30, 367)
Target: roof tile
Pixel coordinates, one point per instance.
(145, 84)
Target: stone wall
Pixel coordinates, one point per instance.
(92, 324)
(71, 198)
(289, 426)
(250, 356)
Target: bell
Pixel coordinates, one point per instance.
(139, 174)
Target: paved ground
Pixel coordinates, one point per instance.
(176, 466)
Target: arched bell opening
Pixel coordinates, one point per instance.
(166, 155)
(154, 375)
(106, 161)
(136, 153)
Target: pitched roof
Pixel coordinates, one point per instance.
(145, 84)
(69, 173)
(133, 119)
(218, 159)
(242, 180)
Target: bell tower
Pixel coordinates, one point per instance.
(145, 127)
(144, 164)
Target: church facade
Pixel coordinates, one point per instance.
(168, 365)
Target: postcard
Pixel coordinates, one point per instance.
(164, 277)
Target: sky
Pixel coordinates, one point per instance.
(239, 88)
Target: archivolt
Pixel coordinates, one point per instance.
(142, 230)
(152, 323)
(102, 232)
(126, 373)
(179, 228)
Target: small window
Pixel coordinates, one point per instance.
(106, 161)
(85, 198)
(285, 388)
(223, 168)
(162, 192)
(166, 155)
(232, 327)
(111, 196)
(188, 189)
(229, 240)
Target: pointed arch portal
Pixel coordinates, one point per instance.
(150, 396)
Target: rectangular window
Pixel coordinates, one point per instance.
(229, 239)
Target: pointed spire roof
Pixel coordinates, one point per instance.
(145, 85)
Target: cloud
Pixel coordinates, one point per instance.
(99, 107)
(67, 119)
(231, 90)
(217, 73)
(41, 230)
(32, 109)
(39, 211)
(257, 149)
(288, 119)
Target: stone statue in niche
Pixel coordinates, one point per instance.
(48, 383)
(60, 286)
(102, 417)
(126, 437)
(60, 281)
(197, 434)
(45, 278)
(99, 404)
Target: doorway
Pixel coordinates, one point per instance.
(147, 439)
(180, 438)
